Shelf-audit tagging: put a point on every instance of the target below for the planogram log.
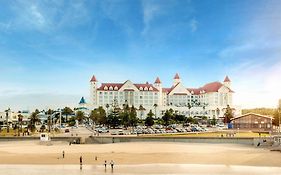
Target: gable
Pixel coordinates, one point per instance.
(179, 89)
(128, 86)
(223, 89)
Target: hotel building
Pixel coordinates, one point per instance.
(209, 100)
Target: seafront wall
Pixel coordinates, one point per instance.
(118, 139)
(29, 138)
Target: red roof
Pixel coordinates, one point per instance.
(157, 80)
(113, 85)
(226, 79)
(210, 87)
(194, 90)
(147, 85)
(93, 79)
(177, 76)
(119, 85)
(167, 90)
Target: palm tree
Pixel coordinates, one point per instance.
(155, 106)
(107, 106)
(141, 108)
(7, 119)
(67, 111)
(80, 116)
(20, 118)
(33, 120)
(189, 107)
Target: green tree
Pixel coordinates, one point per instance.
(150, 114)
(167, 117)
(98, 116)
(113, 118)
(149, 121)
(33, 120)
(67, 111)
(213, 121)
(155, 107)
(180, 118)
(276, 117)
(141, 109)
(133, 120)
(80, 116)
(20, 119)
(228, 115)
(125, 116)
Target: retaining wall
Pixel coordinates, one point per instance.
(233, 140)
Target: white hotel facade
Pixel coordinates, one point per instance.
(209, 100)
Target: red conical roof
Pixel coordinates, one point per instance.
(177, 76)
(226, 79)
(157, 80)
(93, 79)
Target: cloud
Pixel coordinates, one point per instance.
(37, 16)
(254, 59)
(150, 11)
(47, 16)
(193, 25)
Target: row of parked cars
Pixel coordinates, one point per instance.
(168, 130)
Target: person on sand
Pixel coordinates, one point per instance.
(63, 154)
(112, 164)
(81, 161)
(105, 164)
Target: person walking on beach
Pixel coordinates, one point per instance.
(63, 154)
(81, 162)
(105, 164)
(112, 164)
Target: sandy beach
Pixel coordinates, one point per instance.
(32, 152)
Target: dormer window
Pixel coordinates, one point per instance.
(150, 88)
(145, 88)
(115, 88)
(192, 92)
(111, 88)
(105, 88)
(141, 88)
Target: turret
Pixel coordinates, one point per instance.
(227, 82)
(93, 91)
(158, 85)
(177, 79)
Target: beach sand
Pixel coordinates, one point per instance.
(32, 152)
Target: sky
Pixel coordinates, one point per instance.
(49, 49)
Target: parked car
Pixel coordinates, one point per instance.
(121, 132)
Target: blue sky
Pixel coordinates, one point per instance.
(50, 49)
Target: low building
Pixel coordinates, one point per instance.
(253, 122)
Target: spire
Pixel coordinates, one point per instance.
(93, 79)
(157, 81)
(82, 101)
(226, 79)
(177, 76)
